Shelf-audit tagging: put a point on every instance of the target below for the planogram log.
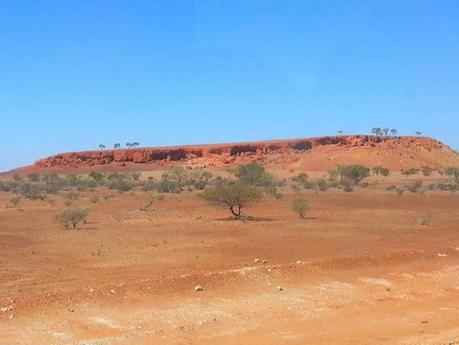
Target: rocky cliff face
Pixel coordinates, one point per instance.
(227, 153)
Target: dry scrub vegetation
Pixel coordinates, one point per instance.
(235, 191)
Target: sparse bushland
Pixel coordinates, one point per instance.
(301, 179)
(453, 173)
(391, 188)
(94, 199)
(253, 174)
(296, 187)
(415, 186)
(177, 180)
(411, 171)
(300, 207)
(71, 196)
(30, 191)
(379, 170)
(399, 191)
(236, 197)
(427, 171)
(71, 218)
(274, 192)
(355, 173)
(322, 184)
(97, 176)
(33, 177)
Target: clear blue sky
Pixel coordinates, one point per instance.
(74, 74)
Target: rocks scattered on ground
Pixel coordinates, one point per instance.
(198, 288)
(256, 260)
(442, 254)
(280, 288)
(6, 309)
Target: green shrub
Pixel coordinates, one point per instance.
(322, 184)
(253, 174)
(415, 186)
(70, 218)
(427, 171)
(356, 173)
(300, 207)
(97, 176)
(274, 192)
(301, 179)
(399, 191)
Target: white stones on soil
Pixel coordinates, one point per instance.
(280, 288)
(442, 254)
(198, 288)
(6, 309)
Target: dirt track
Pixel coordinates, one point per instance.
(357, 271)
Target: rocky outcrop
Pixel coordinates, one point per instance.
(228, 152)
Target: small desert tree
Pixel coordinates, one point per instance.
(70, 218)
(253, 174)
(300, 207)
(301, 178)
(376, 131)
(235, 197)
(356, 173)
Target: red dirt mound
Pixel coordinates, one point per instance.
(318, 154)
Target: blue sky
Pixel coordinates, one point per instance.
(74, 74)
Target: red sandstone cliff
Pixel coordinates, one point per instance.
(311, 153)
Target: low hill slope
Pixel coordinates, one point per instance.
(319, 154)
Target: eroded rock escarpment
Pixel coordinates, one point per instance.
(226, 153)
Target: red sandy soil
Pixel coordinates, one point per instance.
(312, 154)
(358, 270)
